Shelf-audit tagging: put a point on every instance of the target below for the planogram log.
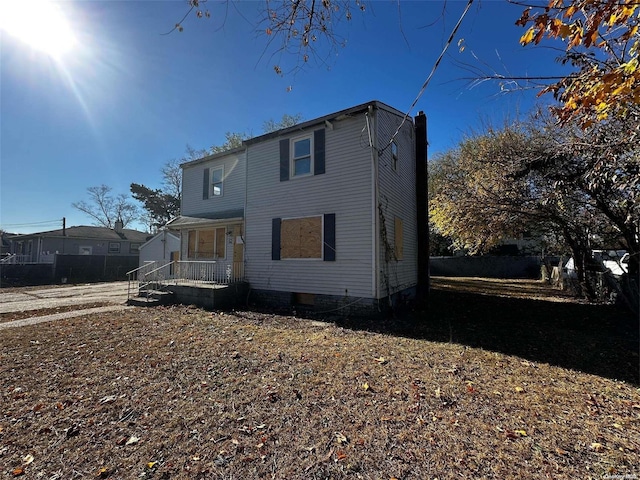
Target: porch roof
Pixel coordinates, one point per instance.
(183, 222)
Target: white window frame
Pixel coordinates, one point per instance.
(212, 191)
(292, 157)
(395, 158)
(114, 247)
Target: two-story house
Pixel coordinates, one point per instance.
(322, 214)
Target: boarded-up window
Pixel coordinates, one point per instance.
(398, 238)
(301, 237)
(207, 243)
(191, 253)
(220, 238)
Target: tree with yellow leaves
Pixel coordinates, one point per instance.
(602, 41)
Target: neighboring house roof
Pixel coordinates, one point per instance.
(97, 233)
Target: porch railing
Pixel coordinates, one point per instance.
(202, 272)
(184, 272)
(15, 259)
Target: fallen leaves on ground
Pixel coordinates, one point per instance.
(178, 392)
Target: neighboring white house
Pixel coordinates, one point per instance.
(163, 248)
(323, 214)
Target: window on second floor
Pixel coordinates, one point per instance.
(213, 180)
(394, 156)
(301, 158)
(217, 176)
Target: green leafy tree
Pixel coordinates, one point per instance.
(162, 204)
(159, 206)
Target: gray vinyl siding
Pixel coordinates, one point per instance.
(233, 193)
(345, 189)
(397, 194)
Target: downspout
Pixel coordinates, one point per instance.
(374, 203)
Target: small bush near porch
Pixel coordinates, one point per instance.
(480, 386)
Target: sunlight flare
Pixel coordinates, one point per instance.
(39, 23)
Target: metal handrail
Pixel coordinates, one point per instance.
(187, 271)
(134, 273)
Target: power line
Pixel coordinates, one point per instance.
(433, 71)
(32, 224)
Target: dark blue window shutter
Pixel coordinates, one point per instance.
(205, 184)
(329, 237)
(318, 152)
(284, 160)
(275, 239)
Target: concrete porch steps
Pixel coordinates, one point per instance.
(152, 298)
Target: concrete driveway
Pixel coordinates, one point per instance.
(51, 297)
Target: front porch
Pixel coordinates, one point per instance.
(207, 284)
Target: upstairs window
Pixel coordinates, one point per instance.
(394, 156)
(302, 156)
(301, 159)
(217, 176)
(212, 182)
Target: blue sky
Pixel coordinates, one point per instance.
(127, 99)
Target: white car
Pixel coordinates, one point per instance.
(616, 261)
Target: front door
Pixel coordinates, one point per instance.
(238, 252)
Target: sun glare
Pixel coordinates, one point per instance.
(39, 23)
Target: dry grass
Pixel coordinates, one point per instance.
(12, 316)
(183, 393)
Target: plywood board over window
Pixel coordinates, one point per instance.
(191, 252)
(301, 237)
(206, 243)
(220, 242)
(311, 237)
(399, 238)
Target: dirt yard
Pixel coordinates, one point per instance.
(484, 384)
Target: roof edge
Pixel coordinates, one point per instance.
(214, 156)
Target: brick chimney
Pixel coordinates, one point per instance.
(118, 225)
